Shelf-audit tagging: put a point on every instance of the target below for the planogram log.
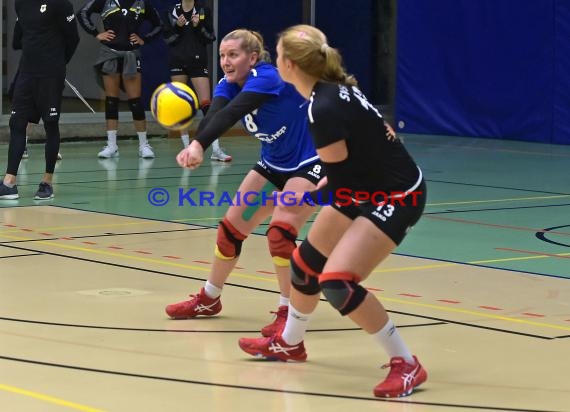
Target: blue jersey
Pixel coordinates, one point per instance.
(281, 123)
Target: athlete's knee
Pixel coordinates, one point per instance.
(342, 290)
(111, 108)
(229, 241)
(281, 237)
(306, 264)
(136, 107)
(52, 130)
(18, 124)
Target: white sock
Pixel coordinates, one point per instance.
(185, 139)
(142, 138)
(112, 138)
(216, 145)
(389, 338)
(212, 290)
(295, 327)
(283, 301)
(10, 185)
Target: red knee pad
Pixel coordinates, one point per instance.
(229, 241)
(281, 237)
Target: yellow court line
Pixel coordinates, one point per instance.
(516, 199)
(520, 258)
(272, 279)
(137, 258)
(47, 398)
(144, 222)
(474, 262)
(53, 229)
(477, 313)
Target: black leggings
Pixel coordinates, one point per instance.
(18, 145)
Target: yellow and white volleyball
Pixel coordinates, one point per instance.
(174, 105)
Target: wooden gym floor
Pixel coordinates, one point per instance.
(480, 290)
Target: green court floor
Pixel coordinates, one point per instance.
(491, 203)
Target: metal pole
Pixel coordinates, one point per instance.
(72, 87)
(215, 60)
(313, 6)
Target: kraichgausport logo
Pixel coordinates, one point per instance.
(342, 197)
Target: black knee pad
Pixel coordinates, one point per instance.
(342, 291)
(306, 263)
(136, 108)
(112, 108)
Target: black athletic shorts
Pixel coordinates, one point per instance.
(312, 172)
(395, 218)
(37, 98)
(194, 66)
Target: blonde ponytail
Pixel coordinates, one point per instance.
(307, 47)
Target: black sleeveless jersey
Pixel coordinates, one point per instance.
(191, 41)
(124, 17)
(376, 160)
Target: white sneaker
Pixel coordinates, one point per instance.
(145, 151)
(59, 156)
(108, 152)
(220, 156)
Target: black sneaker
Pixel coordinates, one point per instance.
(8, 193)
(45, 192)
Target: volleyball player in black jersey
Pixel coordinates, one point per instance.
(46, 31)
(119, 59)
(364, 160)
(191, 23)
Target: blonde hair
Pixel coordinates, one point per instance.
(251, 42)
(307, 47)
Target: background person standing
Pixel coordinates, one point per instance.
(46, 31)
(191, 24)
(119, 60)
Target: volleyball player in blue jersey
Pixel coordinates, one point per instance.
(276, 114)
